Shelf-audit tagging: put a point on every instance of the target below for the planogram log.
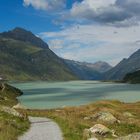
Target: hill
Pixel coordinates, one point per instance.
(132, 77)
(126, 66)
(23, 56)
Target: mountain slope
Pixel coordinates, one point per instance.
(129, 65)
(132, 77)
(25, 36)
(88, 71)
(23, 56)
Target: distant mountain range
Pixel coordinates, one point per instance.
(126, 66)
(88, 71)
(24, 56)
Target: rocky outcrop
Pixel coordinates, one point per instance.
(10, 111)
(97, 129)
(105, 117)
(19, 106)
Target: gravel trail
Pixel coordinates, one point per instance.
(42, 129)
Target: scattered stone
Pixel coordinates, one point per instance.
(19, 106)
(134, 136)
(87, 118)
(99, 129)
(128, 114)
(105, 117)
(11, 111)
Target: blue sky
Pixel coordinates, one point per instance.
(82, 30)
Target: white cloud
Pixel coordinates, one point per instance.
(112, 12)
(93, 5)
(45, 4)
(56, 44)
(97, 42)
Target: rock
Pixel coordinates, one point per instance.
(87, 118)
(11, 111)
(105, 117)
(99, 129)
(19, 106)
(128, 114)
(134, 136)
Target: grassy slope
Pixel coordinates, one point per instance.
(72, 123)
(24, 61)
(10, 126)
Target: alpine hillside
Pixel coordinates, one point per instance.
(126, 66)
(23, 56)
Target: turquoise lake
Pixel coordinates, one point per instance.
(44, 95)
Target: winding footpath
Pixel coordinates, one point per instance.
(42, 129)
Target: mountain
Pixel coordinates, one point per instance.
(126, 66)
(88, 71)
(99, 66)
(21, 34)
(23, 56)
(132, 77)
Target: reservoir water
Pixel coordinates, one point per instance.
(41, 95)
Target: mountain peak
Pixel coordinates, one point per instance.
(19, 29)
(22, 34)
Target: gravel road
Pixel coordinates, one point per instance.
(42, 129)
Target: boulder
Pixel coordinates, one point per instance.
(10, 111)
(99, 129)
(105, 117)
(134, 136)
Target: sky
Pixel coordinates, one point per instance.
(81, 30)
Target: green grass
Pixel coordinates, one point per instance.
(8, 95)
(11, 127)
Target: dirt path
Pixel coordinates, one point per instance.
(42, 129)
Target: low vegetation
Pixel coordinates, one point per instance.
(11, 126)
(74, 120)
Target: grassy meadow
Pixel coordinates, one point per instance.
(72, 122)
